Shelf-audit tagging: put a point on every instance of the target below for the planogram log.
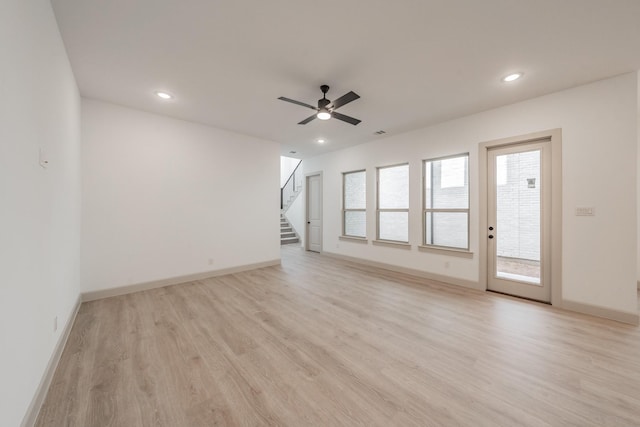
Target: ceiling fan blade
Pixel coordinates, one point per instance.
(344, 99)
(307, 120)
(293, 101)
(345, 118)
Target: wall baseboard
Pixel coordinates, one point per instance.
(410, 271)
(128, 289)
(41, 392)
(607, 313)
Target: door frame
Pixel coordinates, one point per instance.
(306, 210)
(554, 136)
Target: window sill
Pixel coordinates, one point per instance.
(462, 253)
(391, 243)
(353, 239)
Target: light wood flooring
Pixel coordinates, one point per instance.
(323, 342)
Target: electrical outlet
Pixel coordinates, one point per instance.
(55, 323)
(210, 261)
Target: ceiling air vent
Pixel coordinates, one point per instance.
(380, 132)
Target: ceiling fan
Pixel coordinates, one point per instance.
(327, 109)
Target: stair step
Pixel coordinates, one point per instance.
(288, 240)
(287, 235)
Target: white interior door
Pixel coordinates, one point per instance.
(314, 213)
(519, 220)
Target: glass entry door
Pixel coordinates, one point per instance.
(519, 220)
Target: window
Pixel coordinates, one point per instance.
(446, 202)
(452, 172)
(501, 170)
(393, 203)
(354, 204)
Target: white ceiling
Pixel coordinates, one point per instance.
(413, 62)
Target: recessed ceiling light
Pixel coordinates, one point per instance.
(164, 95)
(512, 77)
(321, 141)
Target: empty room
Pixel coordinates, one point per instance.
(296, 213)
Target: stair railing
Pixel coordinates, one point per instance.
(290, 188)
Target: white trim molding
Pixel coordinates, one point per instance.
(607, 313)
(33, 411)
(129, 289)
(591, 310)
(410, 271)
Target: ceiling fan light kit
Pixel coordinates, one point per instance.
(326, 109)
(323, 114)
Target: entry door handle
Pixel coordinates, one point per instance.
(308, 222)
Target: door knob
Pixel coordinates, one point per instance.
(308, 222)
(491, 236)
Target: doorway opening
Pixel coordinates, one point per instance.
(313, 241)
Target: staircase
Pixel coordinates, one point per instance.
(288, 193)
(287, 235)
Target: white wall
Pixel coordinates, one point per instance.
(39, 208)
(162, 197)
(287, 166)
(599, 141)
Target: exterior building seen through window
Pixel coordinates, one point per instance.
(446, 202)
(354, 204)
(393, 203)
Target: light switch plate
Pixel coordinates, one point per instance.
(585, 211)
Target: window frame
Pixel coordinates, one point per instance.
(345, 210)
(379, 210)
(426, 211)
